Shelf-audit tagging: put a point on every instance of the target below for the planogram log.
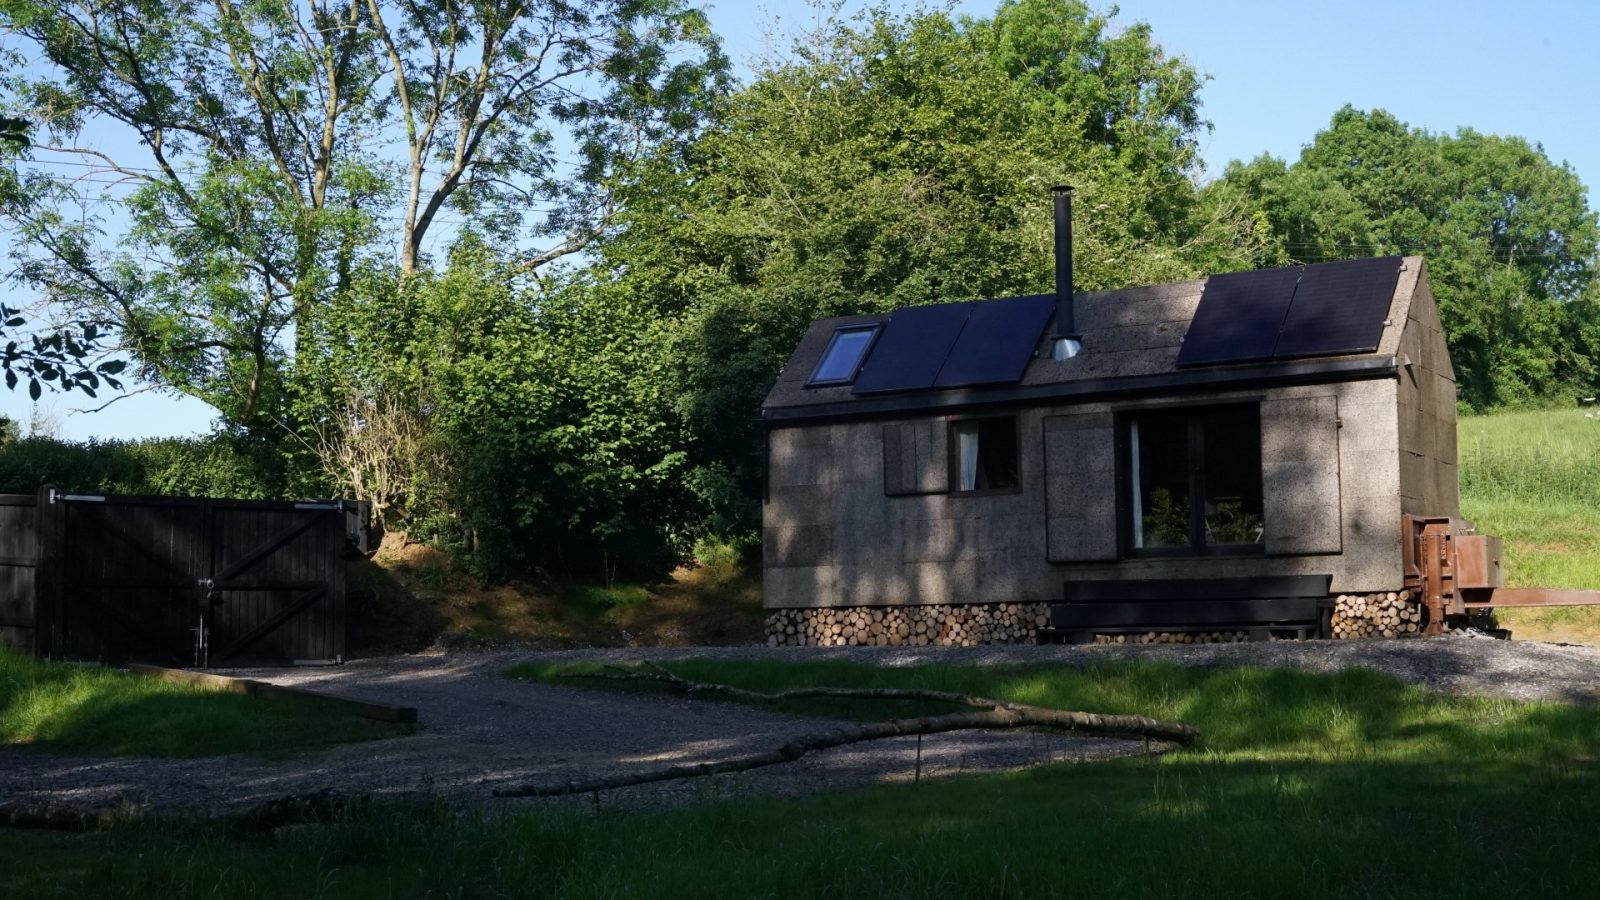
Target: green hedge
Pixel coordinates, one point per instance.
(218, 465)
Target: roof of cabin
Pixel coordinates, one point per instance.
(1131, 341)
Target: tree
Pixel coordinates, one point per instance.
(1509, 236)
(258, 178)
(63, 359)
(904, 161)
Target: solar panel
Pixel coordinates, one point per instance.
(912, 348)
(1239, 317)
(1339, 308)
(997, 343)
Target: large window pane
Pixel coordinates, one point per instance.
(1160, 502)
(1232, 477)
(1196, 479)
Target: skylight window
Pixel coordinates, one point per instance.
(842, 360)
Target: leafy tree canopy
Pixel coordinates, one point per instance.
(896, 161)
(68, 358)
(1509, 236)
(269, 151)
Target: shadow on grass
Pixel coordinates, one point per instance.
(1189, 826)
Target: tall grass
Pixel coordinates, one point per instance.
(1538, 457)
(105, 712)
(1533, 479)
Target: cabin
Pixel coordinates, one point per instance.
(1218, 456)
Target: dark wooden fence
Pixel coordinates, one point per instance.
(18, 551)
(173, 581)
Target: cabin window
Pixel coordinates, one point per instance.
(842, 359)
(983, 455)
(1193, 481)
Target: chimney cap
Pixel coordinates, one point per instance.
(1061, 189)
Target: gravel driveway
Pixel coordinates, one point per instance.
(480, 731)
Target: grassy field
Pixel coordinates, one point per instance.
(1533, 478)
(105, 712)
(1306, 786)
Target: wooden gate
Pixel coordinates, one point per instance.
(18, 554)
(190, 582)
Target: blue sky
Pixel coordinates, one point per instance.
(1278, 72)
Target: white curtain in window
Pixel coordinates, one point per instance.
(967, 447)
(1138, 501)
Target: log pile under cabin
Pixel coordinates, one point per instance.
(1391, 614)
(907, 626)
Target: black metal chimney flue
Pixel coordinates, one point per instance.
(1065, 341)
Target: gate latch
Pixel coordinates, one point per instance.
(208, 588)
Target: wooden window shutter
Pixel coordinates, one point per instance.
(1080, 487)
(1300, 476)
(915, 458)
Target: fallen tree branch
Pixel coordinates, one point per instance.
(999, 716)
(711, 687)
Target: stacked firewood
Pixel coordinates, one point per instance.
(1175, 637)
(907, 626)
(1391, 614)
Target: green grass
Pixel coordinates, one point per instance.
(1543, 456)
(1306, 786)
(106, 712)
(1533, 478)
(600, 602)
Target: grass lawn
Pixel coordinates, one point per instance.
(1533, 478)
(1306, 786)
(107, 712)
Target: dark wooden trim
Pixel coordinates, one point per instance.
(112, 534)
(18, 500)
(129, 626)
(1163, 590)
(1156, 615)
(128, 585)
(1254, 632)
(267, 585)
(366, 709)
(49, 592)
(270, 623)
(918, 403)
(264, 549)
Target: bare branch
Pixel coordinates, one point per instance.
(1000, 715)
(118, 398)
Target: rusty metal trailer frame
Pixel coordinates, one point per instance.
(1455, 572)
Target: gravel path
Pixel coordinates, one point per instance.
(481, 731)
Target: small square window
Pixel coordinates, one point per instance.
(842, 360)
(983, 455)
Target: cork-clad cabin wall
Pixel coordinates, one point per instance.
(835, 537)
(1426, 398)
